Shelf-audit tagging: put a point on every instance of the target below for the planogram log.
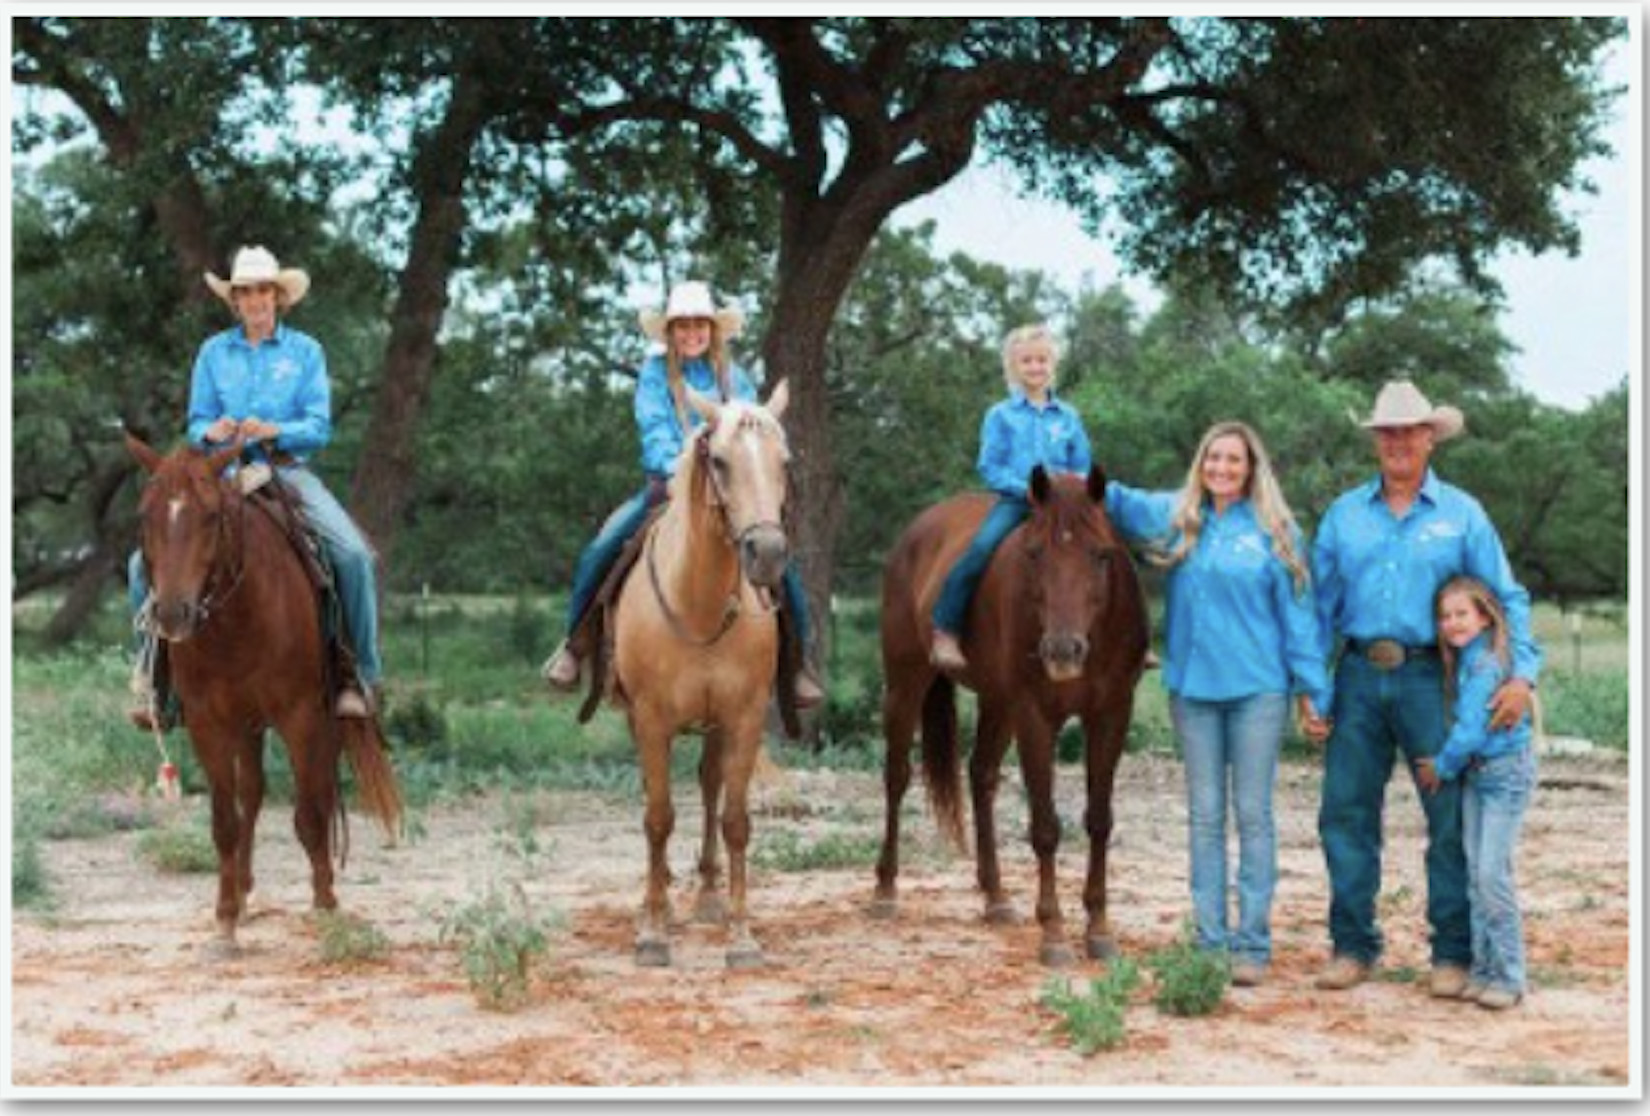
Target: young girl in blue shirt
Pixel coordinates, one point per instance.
(1497, 770)
(1029, 428)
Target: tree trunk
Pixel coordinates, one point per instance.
(383, 477)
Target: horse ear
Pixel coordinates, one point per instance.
(1039, 485)
(146, 455)
(779, 399)
(1097, 483)
(221, 460)
(706, 406)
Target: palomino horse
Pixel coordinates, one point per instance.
(1056, 630)
(696, 643)
(239, 615)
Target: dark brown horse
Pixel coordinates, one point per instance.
(1057, 629)
(244, 639)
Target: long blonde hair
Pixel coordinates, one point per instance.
(1261, 488)
(1495, 620)
(717, 355)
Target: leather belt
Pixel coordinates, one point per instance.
(1389, 654)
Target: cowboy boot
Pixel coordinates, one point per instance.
(561, 670)
(946, 653)
(809, 693)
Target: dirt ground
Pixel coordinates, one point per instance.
(113, 987)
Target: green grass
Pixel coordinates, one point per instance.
(467, 714)
(179, 850)
(785, 850)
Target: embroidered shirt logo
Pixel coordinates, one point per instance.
(1440, 529)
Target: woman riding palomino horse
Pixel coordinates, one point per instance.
(238, 612)
(1057, 630)
(696, 644)
(694, 332)
(264, 384)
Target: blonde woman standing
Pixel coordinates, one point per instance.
(1242, 636)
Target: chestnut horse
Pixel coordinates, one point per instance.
(243, 630)
(1057, 629)
(696, 644)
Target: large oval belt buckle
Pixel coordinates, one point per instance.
(1386, 654)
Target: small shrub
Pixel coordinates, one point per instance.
(1093, 1022)
(786, 851)
(349, 938)
(1190, 981)
(498, 939)
(179, 850)
(29, 886)
(416, 724)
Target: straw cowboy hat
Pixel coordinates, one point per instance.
(1401, 403)
(258, 265)
(691, 300)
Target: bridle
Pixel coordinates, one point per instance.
(732, 606)
(215, 592)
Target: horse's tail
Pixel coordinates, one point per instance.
(941, 768)
(375, 784)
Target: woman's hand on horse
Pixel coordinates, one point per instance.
(222, 430)
(257, 430)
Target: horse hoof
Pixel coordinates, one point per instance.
(710, 909)
(653, 955)
(746, 956)
(222, 949)
(1057, 955)
(1101, 949)
(883, 909)
(1002, 914)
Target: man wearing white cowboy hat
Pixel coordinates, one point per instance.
(1382, 552)
(266, 383)
(694, 332)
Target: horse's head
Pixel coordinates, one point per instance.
(183, 527)
(742, 453)
(1072, 554)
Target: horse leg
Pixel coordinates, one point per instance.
(215, 748)
(249, 790)
(1036, 740)
(1105, 739)
(312, 744)
(744, 741)
(984, 776)
(901, 709)
(653, 926)
(709, 906)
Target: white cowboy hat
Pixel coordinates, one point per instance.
(1400, 403)
(691, 300)
(258, 265)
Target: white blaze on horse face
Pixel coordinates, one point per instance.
(174, 508)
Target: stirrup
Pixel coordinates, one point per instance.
(562, 669)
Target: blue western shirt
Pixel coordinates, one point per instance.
(1478, 674)
(1377, 575)
(656, 419)
(283, 380)
(1236, 625)
(1018, 435)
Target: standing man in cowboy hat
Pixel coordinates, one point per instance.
(266, 383)
(693, 332)
(1382, 552)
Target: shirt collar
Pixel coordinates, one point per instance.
(1018, 395)
(1428, 490)
(239, 334)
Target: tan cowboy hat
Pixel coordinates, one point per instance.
(258, 265)
(691, 300)
(1401, 403)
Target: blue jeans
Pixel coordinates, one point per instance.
(951, 610)
(1377, 715)
(598, 558)
(347, 552)
(1243, 736)
(1493, 800)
